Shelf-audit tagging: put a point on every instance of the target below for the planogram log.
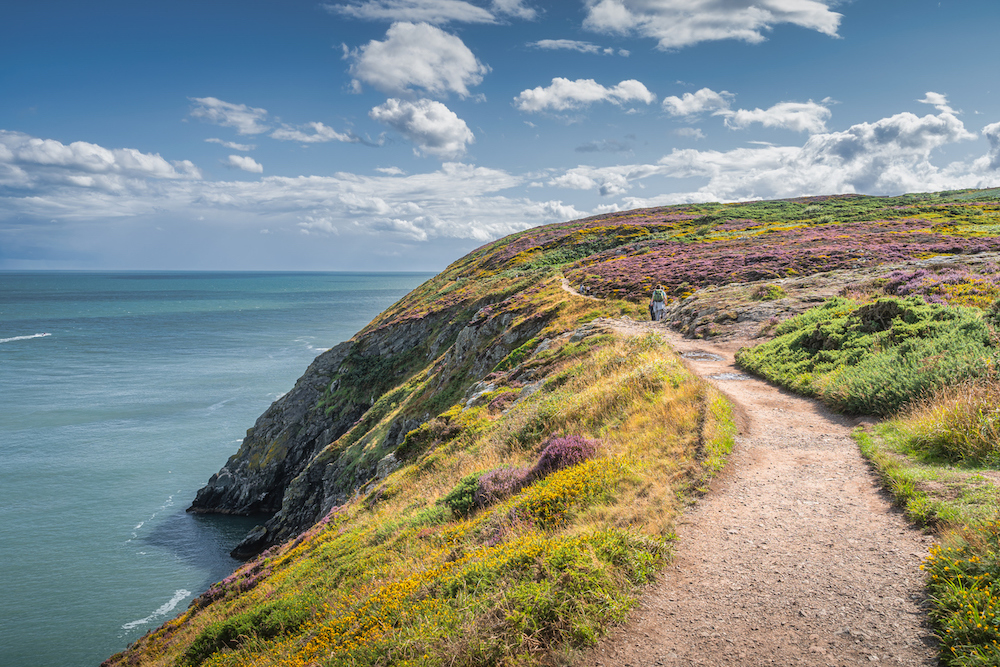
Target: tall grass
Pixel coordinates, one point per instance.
(958, 423)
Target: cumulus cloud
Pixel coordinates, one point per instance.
(246, 120)
(679, 23)
(417, 55)
(427, 11)
(30, 162)
(890, 156)
(232, 145)
(433, 127)
(692, 104)
(575, 45)
(808, 117)
(244, 162)
(564, 94)
(318, 133)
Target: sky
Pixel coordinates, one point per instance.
(387, 135)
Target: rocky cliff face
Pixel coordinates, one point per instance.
(330, 436)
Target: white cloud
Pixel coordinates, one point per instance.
(390, 171)
(576, 45)
(417, 55)
(432, 126)
(514, 8)
(690, 133)
(889, 156)
(319, 133)
(427, 11)
(680, 23)
(244, 162)
(939, 101)
(232, 145)
(246, 120)
(692, 104)
(311, 224)
(992, 159)
(808, 117)
(30, 162)
(564, 94)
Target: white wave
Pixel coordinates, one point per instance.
(169, 502)
(164, 609)
(213, 408)
(10, 340)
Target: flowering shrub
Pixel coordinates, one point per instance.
(559, 453)
(499, 484)
(964, 583)
(946, 285)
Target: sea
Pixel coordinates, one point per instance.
(120, 395)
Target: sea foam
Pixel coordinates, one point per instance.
(11, 340)
(163, 610)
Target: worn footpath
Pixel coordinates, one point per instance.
(795, 557)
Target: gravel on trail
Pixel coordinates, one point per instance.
(794, 557)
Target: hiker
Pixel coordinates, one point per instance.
(658, 304)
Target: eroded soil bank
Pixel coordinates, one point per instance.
(796, 557)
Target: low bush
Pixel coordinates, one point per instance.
(877, 357)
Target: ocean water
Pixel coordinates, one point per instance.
(120, 394)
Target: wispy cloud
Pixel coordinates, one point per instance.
(232, 145)
(576, 45)
(245, 120)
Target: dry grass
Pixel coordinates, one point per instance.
(958, 423)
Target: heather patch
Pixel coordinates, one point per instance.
(767, 254)
(945, 284)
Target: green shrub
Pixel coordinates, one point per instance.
(462, 499)
(270, 620)
(877, 357)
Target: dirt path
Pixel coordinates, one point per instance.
(795, 557)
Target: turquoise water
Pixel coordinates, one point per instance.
(120, 394)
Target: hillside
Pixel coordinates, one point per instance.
(489, 470)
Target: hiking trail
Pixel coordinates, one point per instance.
(795, 557)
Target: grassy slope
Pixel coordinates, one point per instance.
(402, 574)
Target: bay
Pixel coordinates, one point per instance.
(120, 394)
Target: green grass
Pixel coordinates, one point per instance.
(874, 358)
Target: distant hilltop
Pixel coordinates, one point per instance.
(489, 470)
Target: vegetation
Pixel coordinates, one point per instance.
(876, 357)
(551, 455)
(453, 561)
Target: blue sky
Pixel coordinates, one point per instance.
(400, 134)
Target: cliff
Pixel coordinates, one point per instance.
(488, 470)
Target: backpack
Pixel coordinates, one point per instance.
(658, 295)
